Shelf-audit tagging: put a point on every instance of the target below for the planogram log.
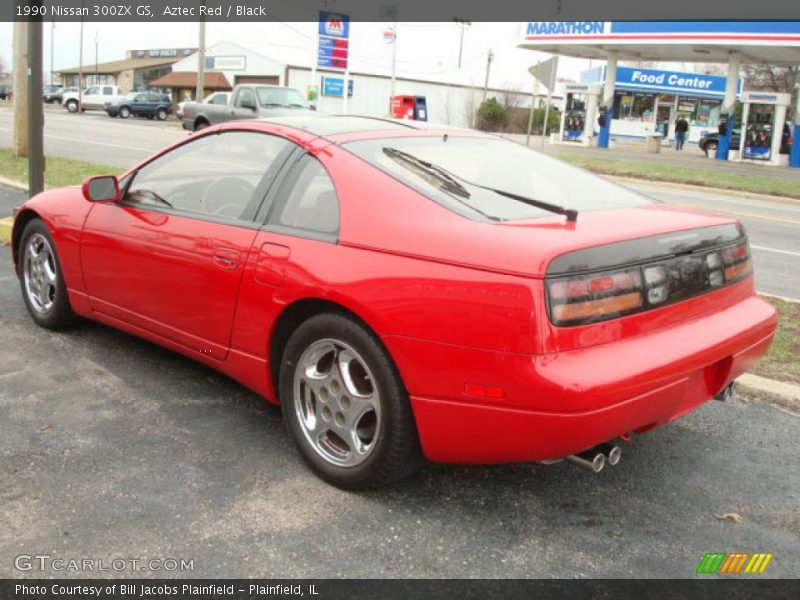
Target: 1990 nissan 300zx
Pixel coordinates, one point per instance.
(406, 292)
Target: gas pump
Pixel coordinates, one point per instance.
(577, 112)
(763, 119)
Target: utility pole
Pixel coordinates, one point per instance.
(52, 45)
(96, 65)
(489, 60)
(19, 143)
(35, 110)
(464, 25)
(80, 69)
(201, 61)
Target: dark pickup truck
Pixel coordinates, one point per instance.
(248, 101)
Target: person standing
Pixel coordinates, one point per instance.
(681, 128)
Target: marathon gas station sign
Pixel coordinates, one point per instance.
(637, 31)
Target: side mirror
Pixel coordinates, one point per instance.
(248, 104)
(101, 188)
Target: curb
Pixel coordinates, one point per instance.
(704, 188)
(13, 183)
(6, 225)
(786, 395)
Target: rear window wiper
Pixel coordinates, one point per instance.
(448, 180)
(453, 185)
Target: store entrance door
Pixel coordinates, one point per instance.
(664, 120)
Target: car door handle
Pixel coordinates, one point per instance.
(226, 258)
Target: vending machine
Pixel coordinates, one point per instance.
(413, 108)
(763, 119)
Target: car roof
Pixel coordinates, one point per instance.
(333, 125)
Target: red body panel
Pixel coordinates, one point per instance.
(455, 302)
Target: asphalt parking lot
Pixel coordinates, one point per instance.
(111, 447)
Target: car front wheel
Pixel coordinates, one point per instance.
(161, 114)
(711, 149)
(345, 405)
(124, 112)
(72, 106)
(42, 283)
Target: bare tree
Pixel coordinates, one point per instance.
(471, 107)
(773, 79)
(511, 96)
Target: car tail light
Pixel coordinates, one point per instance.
(599, 296)
(595, 297)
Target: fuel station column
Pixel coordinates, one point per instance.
(607, 106)
(728, 116)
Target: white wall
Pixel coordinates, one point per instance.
(255, 64)
(446, 104)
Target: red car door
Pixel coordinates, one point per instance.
(169, 257)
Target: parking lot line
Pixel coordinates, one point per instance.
(789, 252)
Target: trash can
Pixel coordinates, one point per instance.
(654, 143)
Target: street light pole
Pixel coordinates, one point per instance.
(52, 45)
(35, 114)
(464, 25)
(201, 61)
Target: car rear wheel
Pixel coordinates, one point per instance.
(200, 124)
(161, 114)
(711, 149)
(42, 283)
(72, 106)
(124, 112)
(345, 405)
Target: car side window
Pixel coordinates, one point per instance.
(95, 89)
(245, 96)
(108, 91)
(218, 99)
(311, 203)
(214, 175)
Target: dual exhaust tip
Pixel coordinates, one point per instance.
(596, 458)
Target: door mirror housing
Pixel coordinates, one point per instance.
(101, 188)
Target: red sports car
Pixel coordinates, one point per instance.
(406, 291)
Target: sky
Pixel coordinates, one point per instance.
(425, 50)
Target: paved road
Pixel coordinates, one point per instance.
(774, 227)
(112, 447)
(97, 138)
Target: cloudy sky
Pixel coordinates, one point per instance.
(424, 50)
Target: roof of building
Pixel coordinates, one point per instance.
(212, 80)
(116, 66)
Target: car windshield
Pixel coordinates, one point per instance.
(280, 97)
(480, 163)
(131, 96)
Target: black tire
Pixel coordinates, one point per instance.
(150, 117)
(59, 314)
(72, 106)
(124, 112)
(710, 149)
(395, 453)
(161, 114)
(200, 124)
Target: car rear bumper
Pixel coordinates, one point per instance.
(580, 398)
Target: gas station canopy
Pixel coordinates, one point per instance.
(756, 42)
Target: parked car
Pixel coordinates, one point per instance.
(709, 141)
(52, 94)
(141, 104)
(6, 92)
(247, 101)
(406, 291)
(221, 98)
(94, 97)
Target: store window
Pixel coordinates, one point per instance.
(633, 106)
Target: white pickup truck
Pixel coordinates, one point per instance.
(94, 98)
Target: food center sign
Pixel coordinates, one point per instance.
(656, 80)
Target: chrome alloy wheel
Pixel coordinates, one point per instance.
(39, 273)
(337, 402)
